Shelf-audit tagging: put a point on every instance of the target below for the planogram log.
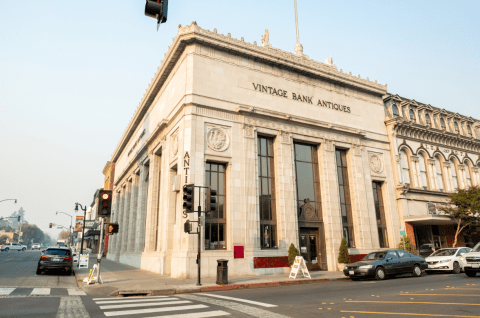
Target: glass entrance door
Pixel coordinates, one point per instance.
(309, 247)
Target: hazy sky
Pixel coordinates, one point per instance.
(73, 72)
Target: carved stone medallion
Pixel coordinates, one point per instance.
(376, 163)
(175, 144)
(218, 139)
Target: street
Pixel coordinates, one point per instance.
(25, 294)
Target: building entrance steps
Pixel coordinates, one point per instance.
(123, 280)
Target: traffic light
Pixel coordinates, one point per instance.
(157, 9)
(104, 203)
(211, 200)
(112, 228)
(187, 227)
(188, 199)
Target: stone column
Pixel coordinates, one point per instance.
(112, 239)
(447, 177)
(332, 216)
(141, 211)
(126, 217)
(132, 220)
(475, 177)
(120, 219)
(415, 182)
(152, 203)
(252, 219)
(432, 174)
(461, 178)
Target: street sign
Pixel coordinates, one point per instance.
(299, 264)
(83, 262)
(402, 231)
(91, 224)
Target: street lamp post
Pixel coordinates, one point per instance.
(71, 222)
(9, 199)
(84, 209)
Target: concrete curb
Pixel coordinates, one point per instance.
(158, 292)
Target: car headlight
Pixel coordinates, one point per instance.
(365, 266)
(462, 258)
(444, 261)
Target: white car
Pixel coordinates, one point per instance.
(447, 259)
(13, 247)
(472, 266)
(35, 246)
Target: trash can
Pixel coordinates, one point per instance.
(222, 272)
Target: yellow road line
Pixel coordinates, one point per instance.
(407, 302)
(407, 314)
(464, 288)
(440, 295)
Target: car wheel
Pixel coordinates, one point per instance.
(456, 268)
(470, 273)
(23, 249)
(6, 249)
(417, 271)
(380, 273)
(38, 272)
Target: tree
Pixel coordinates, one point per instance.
(64, 235)
(464, 208)
(47, 240)
(405, 244)
(31, 233)
(3, 239)
(343, 256)
(292, 253)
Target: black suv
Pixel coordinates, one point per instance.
(56, 258)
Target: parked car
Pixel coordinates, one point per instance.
(472, 261)
(13, 247)
(385, 264)
(56, 258)
(447, 259)
(36, 246)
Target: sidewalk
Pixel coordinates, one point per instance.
(121, 280)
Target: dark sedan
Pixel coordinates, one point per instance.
(385, 264)
(56, 258)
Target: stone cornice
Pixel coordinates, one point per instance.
(194, 34)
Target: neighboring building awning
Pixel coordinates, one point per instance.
(431, 219)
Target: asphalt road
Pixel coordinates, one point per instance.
(439, 295)
(25, 294)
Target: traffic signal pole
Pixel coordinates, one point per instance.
(100, 252)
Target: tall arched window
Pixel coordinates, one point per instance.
(468, 174)
(411, 113)
(394, 110)
(455, 125)
(423, 171)
(453, 172)
(404, 166)
(427, 119)
(442, 123)
(438, 172)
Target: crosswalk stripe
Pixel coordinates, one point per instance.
(129, 300)
(152, 310)
(239, 299)
(176, 302)
(113, 298)
(40, 291)
(74, 292)
(205, 314)
(6, 291)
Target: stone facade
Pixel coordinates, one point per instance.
(210, 104)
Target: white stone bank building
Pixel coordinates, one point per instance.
(297, 150)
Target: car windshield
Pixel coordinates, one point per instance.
(444, 252)
(374, 256)
(476, 248)
(57, 252)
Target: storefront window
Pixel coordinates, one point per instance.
(215, 221)
(307, 177)
(380, 214)
(344, 193)
(266, 186)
